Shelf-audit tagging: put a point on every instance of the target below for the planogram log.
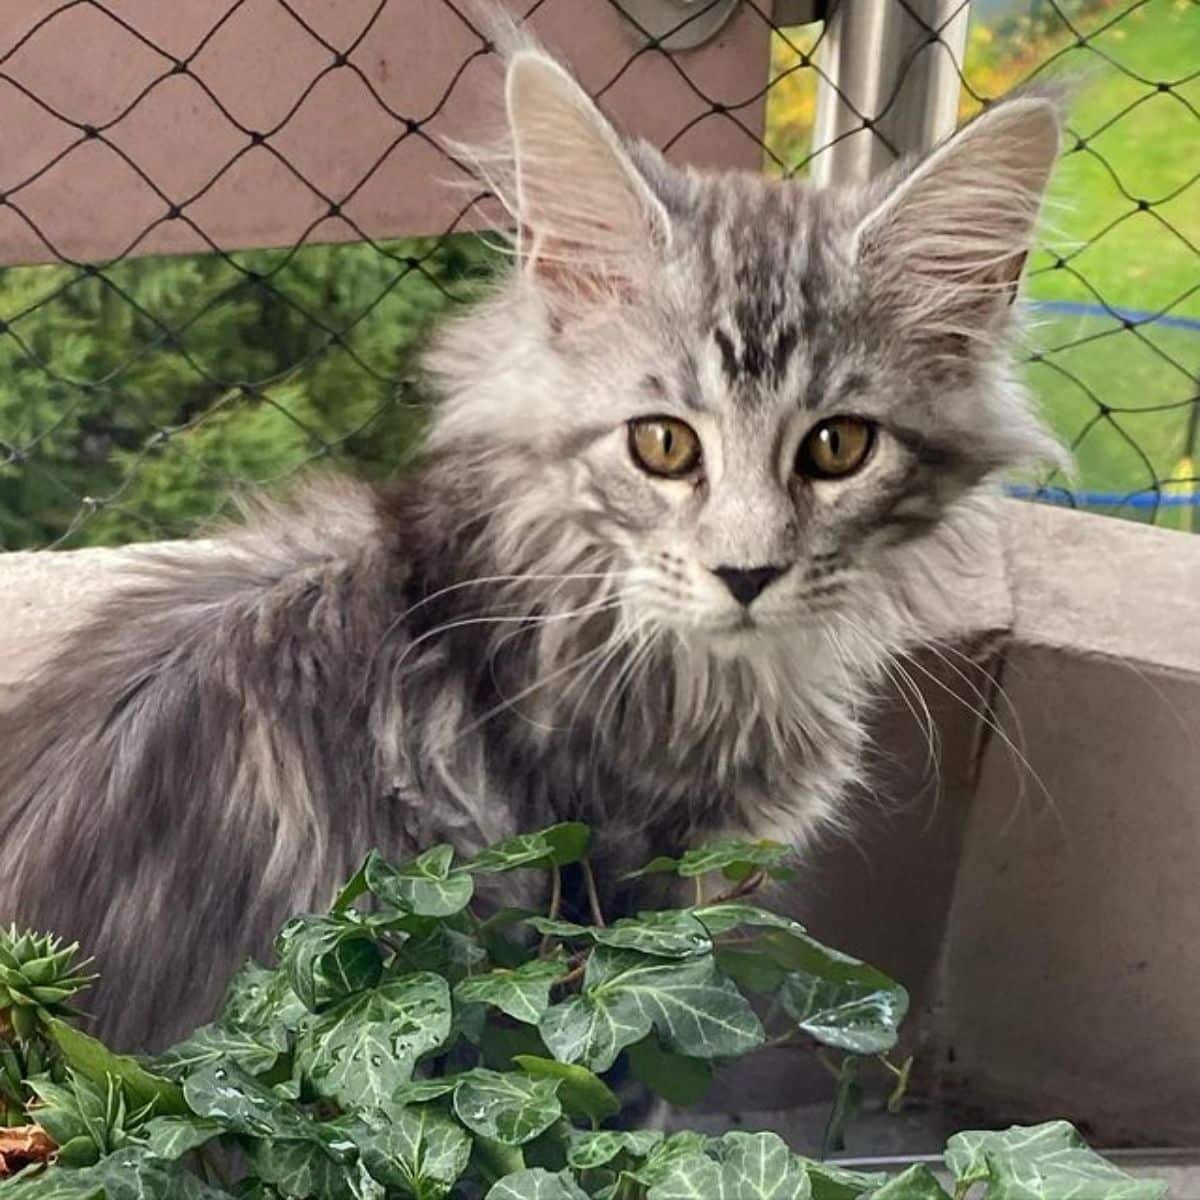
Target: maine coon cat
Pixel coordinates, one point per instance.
(703, 460)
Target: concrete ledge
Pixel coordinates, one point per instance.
(1093, 585)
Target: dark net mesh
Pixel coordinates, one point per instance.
(1114, 292)
(155, 363)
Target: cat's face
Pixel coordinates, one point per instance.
(749, 435)
(741, 470)
(751, 397)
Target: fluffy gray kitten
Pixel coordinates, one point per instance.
(701, 463)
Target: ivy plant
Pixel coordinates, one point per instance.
(409, 1045)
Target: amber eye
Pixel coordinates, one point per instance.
(664, 446)
(835, 448)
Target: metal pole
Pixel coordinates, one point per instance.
(891, 83)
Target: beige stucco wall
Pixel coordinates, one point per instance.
(1045, 907)
(1041, 896)
(1071, 965)
(1038, 892)
(328, 132)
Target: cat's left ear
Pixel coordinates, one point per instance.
(945, 249)
(587, 215)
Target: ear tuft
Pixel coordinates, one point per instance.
(946, 248)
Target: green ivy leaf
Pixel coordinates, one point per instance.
(506, 1107)
(170, 1138)
(522, 993)
(559, 845)
(759, 1166)
(262, 1002)
(593, 1028)
(536, 1184)
(663, 1156)
(351, 890)
(695, 1010)
(524, 850)
(556, 927)
(836, 999)
(328, 958)
(660, 864)
(675, 1077)
(306, 1168)
(426, 886)
(736, 859)
(731, 914)
(667, 934)
(688, 1177)
(751, 1166)
(129, 1174)
(587, 1151)
(238, 1102)
(582, 1093)
(1042, 1162)
(419, 1150)
(859, 1017)
(420, 1091)
(831, 1182)
(360, 1052)
(212, 1042)
(918, 1182)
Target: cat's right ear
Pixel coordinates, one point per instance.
(588, 219)
(945, 249)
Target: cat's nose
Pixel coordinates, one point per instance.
(747, 582)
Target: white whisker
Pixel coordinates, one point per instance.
(988, 721)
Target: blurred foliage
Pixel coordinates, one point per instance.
(791, 100)
(136, 398)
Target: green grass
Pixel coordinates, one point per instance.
(1116, 254)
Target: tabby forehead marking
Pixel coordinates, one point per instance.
(768, 259)
(761, 359)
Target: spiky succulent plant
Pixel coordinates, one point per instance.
(38, 975)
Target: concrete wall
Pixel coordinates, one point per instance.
(1044, 903)
(1036, 885)
(275, 118)
(1071, 965)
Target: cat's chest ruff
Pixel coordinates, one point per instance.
(650, 771)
